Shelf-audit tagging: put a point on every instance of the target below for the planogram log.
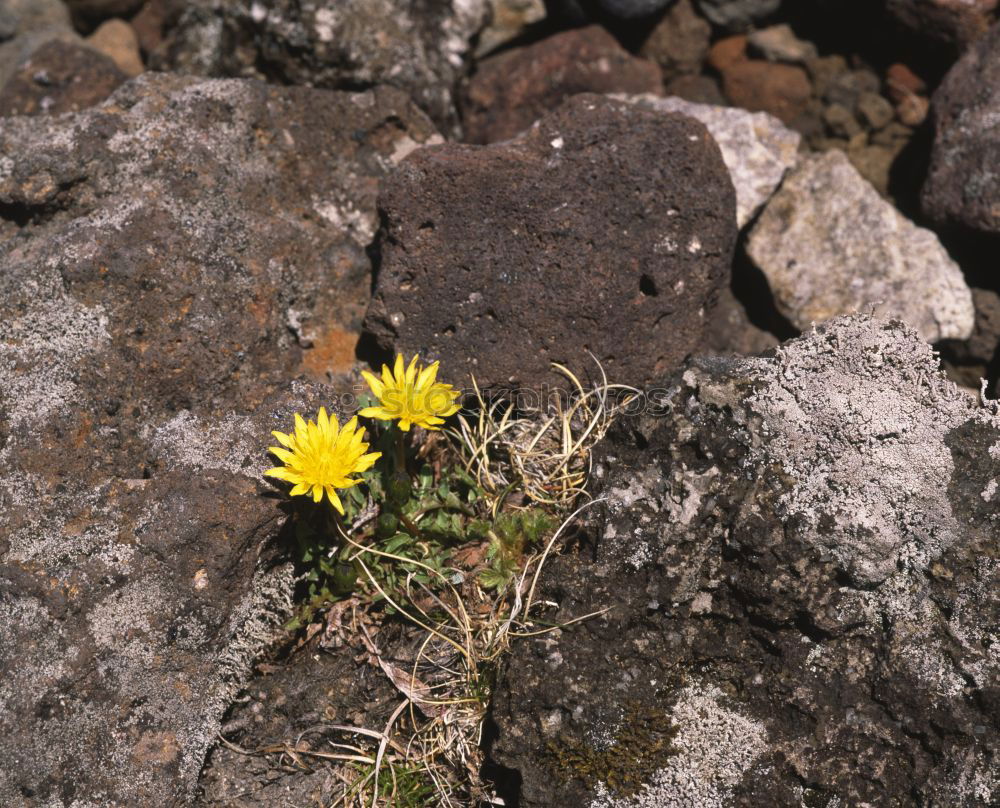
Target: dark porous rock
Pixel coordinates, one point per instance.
(59, 77)
(338, 44)
(605, 228)
(963, 186)
(512, 90)
(797, 570)
(952, 23)
(166, 257)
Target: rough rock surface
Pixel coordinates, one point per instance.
(951, 22)
(512, 90)
(59, 77)
(337, 44)
(963, 186)
(757, 148)
(679, 42)
(737, 14)
(502, 259)
(165, 258)
(830, 245)
(798, 557)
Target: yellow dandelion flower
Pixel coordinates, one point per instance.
(320, 457)
(412, 395)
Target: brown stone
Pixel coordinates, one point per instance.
(117, 40)
(727, 52)
(901, 82)
(149, 23)
(59, 77)
(503, 259)
(679, 42)
(512, 90)
(782, 90)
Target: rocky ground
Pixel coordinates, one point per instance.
(781, 220)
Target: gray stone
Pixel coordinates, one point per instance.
(793, 565)
(420, 48)
(168, 258)
(830, 245)
(679, 42)
(875, 110)
(28, 24)
(737, 14)
(963, 183)
(778, 43)
(757, 148)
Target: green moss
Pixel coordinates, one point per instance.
(640, 747)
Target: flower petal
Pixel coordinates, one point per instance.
(427, 375)
(376, 386)
(284, 440)
(301, 488)
(282, 454)
(398, 372)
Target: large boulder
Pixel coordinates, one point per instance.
(797, 589)
(829, 245)
(962, 186)
(757, 148)
(512, 90)
(338, 44)
(167, 259)
(606, 228)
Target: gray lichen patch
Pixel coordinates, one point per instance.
(856, 417)
(715, 746)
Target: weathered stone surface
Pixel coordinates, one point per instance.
(955, 23)
(679, 42)
(963, 186)
(737, 14)
(798, 560)
(512, 90)
(502, 259)
(757, 149)
(59, 77)
(337, 44)
(830, 245)
(165, 258)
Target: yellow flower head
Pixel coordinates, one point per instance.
(320, 456)
(411, 395)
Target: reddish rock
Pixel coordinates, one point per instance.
(59, 77)
(727, 52)
(952, 22)
(782, 90)
(512, 90)
(500, 260)
(901, 82)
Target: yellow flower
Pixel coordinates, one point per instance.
(411, 395)
(319, 457)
